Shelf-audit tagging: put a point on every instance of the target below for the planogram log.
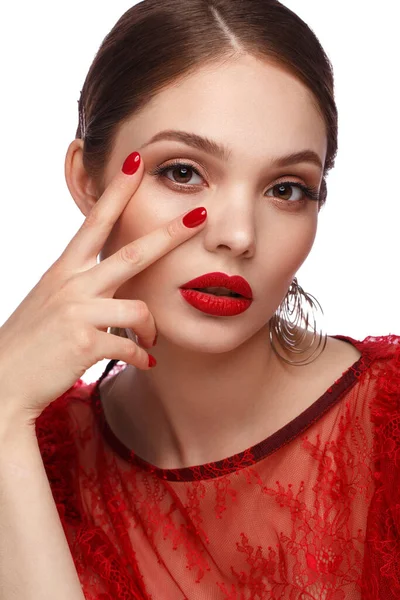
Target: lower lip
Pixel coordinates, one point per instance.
(222, 306)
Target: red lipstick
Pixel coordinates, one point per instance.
(237, 284)
(224, 306)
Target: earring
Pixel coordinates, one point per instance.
(285, 329)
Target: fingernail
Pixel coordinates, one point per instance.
(195, 218)
(131, 164)
(152, 361)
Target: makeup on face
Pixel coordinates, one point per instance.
(218, 294)
(222, 306)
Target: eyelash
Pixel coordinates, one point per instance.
(309, 192)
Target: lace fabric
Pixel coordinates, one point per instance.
(312, 512)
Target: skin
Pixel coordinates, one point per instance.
(218, 387)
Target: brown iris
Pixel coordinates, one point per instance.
(187, 173)
(283, 186)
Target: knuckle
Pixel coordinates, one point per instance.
(65, 292)
(70, 311)
(131, 254)
(84, 339)
(47, 275)
(92, 219)
(173, 229)
(131, 349)
(96, 219)
(142, 309)
(53, 274)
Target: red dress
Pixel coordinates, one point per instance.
(310, 513)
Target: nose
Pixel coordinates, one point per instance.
(231, 226)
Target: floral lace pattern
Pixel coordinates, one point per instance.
(312, 512)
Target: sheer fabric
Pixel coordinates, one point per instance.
(311, 512)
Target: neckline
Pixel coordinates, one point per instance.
(251, 455)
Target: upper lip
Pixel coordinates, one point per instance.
(236, 283)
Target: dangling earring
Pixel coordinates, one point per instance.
(285, 330)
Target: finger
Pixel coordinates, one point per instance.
(134, 314)
(107, 276)
(96, 228)
(113, 347)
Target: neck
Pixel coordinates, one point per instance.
(195, 408)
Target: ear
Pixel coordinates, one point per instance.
(82, 187)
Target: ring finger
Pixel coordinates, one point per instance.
(134, 314)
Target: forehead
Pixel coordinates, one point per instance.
(244, 102)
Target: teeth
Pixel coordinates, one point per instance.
(219, 291)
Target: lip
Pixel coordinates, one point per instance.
(221, 306)
(235, 283)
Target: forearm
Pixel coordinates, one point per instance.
(35, 559)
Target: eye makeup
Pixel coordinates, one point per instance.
(309, 192)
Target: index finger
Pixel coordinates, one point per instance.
(129, 260)
(96, 228)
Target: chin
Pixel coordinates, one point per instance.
(202, 342)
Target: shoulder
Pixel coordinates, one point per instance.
(379, 358)
(382, 355)
(384, 391)
(377, 347)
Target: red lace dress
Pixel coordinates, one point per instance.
(311, 512)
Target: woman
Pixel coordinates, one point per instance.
(249, 457)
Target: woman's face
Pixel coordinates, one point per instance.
(254, 228)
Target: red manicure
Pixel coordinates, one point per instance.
(195, 218)
(131, 164)
(152, 361)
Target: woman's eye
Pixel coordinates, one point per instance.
(181, 173)
(284, 191)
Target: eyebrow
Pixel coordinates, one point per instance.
(223, 152)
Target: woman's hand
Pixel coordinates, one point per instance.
(60, 328)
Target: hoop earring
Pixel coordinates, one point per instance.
(286, 329)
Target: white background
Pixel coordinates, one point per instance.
(46, 51)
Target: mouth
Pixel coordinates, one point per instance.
(218, 291)
(221, 284)
(217, 302)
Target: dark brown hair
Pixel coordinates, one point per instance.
(157, 42)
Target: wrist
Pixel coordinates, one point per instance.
(15, 428)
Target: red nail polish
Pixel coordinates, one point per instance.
(195, 218)
(152, 361)
(131, 164)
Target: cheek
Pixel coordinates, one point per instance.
(146, 285)
(134, 223)
(286, 248)
(130, 227)
(148, 209)
(137, 219)
(292, 241)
